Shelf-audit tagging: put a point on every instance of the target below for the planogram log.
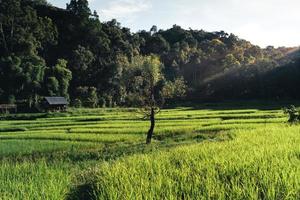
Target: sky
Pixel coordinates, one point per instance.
(262, 22)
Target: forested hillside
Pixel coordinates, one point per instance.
(48, 51)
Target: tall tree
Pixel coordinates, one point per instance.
(147, 84)
(80, 8)
(22, 35)
(22, 32)
(59, 78)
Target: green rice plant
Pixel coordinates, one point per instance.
(105, 138)
(237, 169)
(39, 181)
(14, 129)
(213, 153)
(18, 148)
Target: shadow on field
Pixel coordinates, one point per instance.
(242, 105)
(86, 182)
(113, 151)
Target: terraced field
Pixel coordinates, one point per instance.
(208, 153)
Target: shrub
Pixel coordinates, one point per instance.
(102, 102)
(77, 103)
(294, 114)
(87, 96)
(11, 99)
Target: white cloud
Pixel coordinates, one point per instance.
(121, 9)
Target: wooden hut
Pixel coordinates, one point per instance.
(55, 103)
(8, 108)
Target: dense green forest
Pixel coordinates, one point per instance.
(48, 51)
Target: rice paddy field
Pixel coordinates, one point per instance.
(209, 152)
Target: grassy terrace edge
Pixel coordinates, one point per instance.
(214, 152)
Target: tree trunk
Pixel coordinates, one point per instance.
(150, 132)
(3, 38)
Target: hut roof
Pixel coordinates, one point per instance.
(56, 100)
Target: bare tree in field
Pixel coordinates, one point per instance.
(148, 88)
